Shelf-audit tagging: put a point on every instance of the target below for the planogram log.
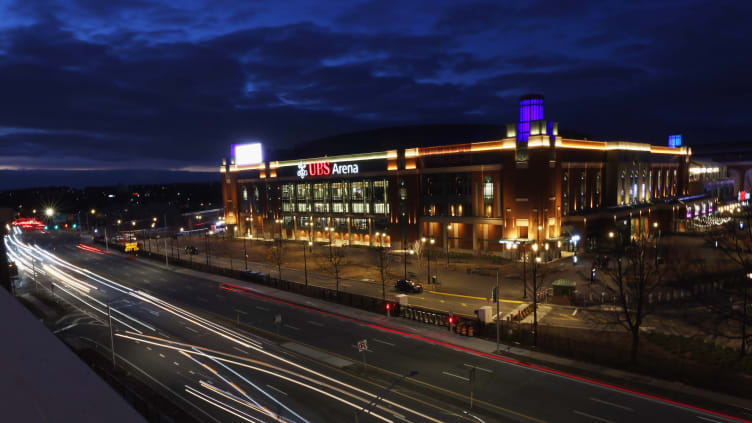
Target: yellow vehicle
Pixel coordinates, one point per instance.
(131, 246)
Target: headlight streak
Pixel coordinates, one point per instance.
(227, 381)
(97, 309)
(199, 321)
(81, 286)
(224, 332)
(283, 377)
(251, 384)
(240, 401)
(221, 405)
(234, 337)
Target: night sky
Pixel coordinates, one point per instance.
(147, 85)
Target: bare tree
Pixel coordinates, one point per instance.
(720, 287)
(384, 262)
(276, 254)
(632, 278)
(332, 263)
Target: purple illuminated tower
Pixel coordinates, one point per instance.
(531, 109)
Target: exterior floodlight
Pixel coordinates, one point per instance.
(49, 212)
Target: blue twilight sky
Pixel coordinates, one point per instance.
(140, 84)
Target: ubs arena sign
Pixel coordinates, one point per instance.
(326, 169)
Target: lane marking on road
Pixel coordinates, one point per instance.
(191, 372)
(238, 349)
(496, 358)
(574, 313)
(623, 407)
(190, 329)
(156, 313)
(473, 298)
(161, 355)
(478, 368)
(148, 348)
(707, 419)
(321, 325)
(600, 419)
(262, 308)
(271, 387)
(457, 376)
(290, 326)
(175, 363)
(241, 311)
(383, 342)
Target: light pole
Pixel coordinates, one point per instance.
(657, 239)
(329, 230)
(206, 243)
(535, 295)
(411, 253)
(305, 261)
(279, 222)
(245, 253)
(427, 244)
(449, 228)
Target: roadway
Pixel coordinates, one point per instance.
(442, 388)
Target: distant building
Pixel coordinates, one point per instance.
(531, 186)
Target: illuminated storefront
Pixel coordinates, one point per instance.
(531, 186)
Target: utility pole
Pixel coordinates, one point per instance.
(166, 264)
(106, 242)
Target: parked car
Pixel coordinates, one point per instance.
(191, 250)
(406, 285)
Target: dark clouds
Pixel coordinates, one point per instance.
(148, 84)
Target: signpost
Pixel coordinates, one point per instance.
(363, 347)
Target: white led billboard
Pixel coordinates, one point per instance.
(247, 154)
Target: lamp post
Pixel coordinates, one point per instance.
(524, 270)
(329, 231)
(427, 244)
(206, 243)
(279, 222)
(449, 228)
(535, 294)
(305, 261)
(245, 254)
(657, 239)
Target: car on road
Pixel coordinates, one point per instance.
(406, 285)
(191, 250)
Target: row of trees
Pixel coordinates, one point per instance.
(714, 285)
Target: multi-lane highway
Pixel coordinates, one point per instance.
(229, 354)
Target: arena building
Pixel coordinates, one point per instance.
(486, 197)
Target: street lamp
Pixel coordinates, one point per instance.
(305, 261)
(93, 211)
(449, 228)
(610, 234)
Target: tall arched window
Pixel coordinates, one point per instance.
(564, 194)
(597, 196)
(581, 202)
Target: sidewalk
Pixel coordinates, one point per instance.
(676, 390)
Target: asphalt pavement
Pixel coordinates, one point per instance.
(448, 378)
